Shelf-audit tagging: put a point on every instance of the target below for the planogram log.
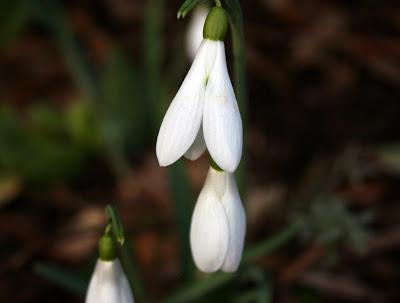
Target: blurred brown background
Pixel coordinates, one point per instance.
(323, 143)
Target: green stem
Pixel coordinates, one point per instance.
(238, 41)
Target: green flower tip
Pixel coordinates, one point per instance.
(107, 249)
(216, 24)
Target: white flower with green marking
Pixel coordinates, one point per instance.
(204, 113)
(218, 225)
(109, 284)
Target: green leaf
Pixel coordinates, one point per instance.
(63, 277)
(123, 116)
(153, 45)
(14, 17)
(271, 244)
(187, 6)
(39, 153)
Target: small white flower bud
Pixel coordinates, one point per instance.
(108, 284)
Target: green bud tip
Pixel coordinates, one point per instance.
(107, 249)
(216, 24)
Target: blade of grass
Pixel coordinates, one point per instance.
(200, 289)
(270, 244)
(153, 50)
(238, 41)
(187, 6)
(182, 197)
(263, 293)
(63, 277)
(51, 13)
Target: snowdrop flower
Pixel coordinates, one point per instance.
(204, 112)
(108, 283)
(194, 35)
(218, 224)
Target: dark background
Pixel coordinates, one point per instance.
(83, 86)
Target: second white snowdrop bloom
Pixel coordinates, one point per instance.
(218, 225)
(204, 113)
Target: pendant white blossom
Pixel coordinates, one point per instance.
(109, 284)
(205, 99)
(218, 225)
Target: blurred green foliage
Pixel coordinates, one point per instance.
(327, 221)
(39, 149)
(14, 16)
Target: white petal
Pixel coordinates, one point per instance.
(217, 180)
(237, 225)
(222, 123)
(182, 121)
(198, 147)
(108, 284)
(194, 35)
(209, 231)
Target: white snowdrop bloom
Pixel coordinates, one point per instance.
(194, 34)
(108, 284)
(218, 225)
(204, 113)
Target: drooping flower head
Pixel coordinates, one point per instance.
(218, 224)
(204, 113)
(108, 283)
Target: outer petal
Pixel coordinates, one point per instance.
(222, 123)
(209, 231)
(108, 284)
(194, 35)
(198, 147)
(182, 121)
(237, 225)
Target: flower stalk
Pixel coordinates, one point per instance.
(238, 43)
